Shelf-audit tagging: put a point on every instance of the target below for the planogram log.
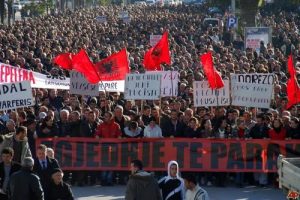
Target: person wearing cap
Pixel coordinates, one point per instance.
(22, 178)
(7, 168)
(58, 188)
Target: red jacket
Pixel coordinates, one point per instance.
(108, 130)
(277, 136)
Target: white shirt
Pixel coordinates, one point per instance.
(196, 194)
(154, 132)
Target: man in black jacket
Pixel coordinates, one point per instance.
(141, 184)
(43, 168)
(7, 168)
(22, 178)
(58, 188)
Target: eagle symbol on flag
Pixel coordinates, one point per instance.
(156, 51)
(108, 66)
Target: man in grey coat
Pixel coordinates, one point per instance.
(141, 184)
(19, 143)
(24, 184)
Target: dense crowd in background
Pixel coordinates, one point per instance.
(33, 43)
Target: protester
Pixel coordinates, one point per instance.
(7, 168)
(33, 43)
(172, 186)
(141, 184)
(43, 167)
(194, 191)
(19, 143)
(25, 177)
(58, 188)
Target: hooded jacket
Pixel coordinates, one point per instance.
(142, 186)
(172, 187)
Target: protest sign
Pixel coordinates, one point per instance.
(154, 39)
(101, 19)
(169, 82)
(10, 74)
(15, 95)
(192, 154)
(252, 90)
(254, 35)
(205, 96)
(142, 86)
(123, 14)
(79, 85)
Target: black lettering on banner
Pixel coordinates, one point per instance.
(157, 154)
(195, 154)
(13, 87)
(146, 154)
(253, 155)
(129, 151)
(8, 104)
(91, 154)
(21, 88)
(79, 162)
(273, 151)
(235, 156)
(64, 153)
(218, 150)
(292, 150)
(5, 89)
(109, 154)
(180, 151)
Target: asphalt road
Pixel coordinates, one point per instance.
(215, 193)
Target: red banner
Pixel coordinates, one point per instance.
(214, 155)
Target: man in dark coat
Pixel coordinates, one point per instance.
(58, 188)
(141, 184)
(22, 178)
(43, 168)
(7, 168)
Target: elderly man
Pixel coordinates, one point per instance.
(25, 177)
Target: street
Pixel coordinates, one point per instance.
(215, 193)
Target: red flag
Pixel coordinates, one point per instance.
(214, 79)
(64, 60)
(293, 90)
(158, 54)
(115, 67)
(82, 63)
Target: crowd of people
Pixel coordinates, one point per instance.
(33, 43)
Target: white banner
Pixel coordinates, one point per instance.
(205, 96)
(154, 39)
(254, 35)
(15, 95)
(10, 74)
(79, 85)
(101, 19)
(252, 90)
(142, 86)
(169, 82)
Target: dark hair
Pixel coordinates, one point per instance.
(21, 129)
(190, 178)
(8, 150)
(138, 164)
(42, 147)
(133, 125)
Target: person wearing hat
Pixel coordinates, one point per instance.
(58, 188)
(22, 178)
